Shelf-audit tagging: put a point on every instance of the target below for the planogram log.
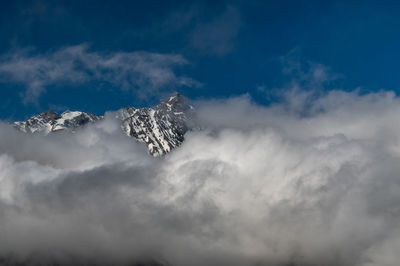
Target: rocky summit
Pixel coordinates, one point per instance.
(161, 127)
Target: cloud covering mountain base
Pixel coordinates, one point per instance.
(256, 186)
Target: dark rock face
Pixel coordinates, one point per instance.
(161, 128)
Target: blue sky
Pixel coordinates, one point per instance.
(102, 55)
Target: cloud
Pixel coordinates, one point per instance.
(302, 82)
(256, 186)
(308, 73)
(142, 72)
(218, 35)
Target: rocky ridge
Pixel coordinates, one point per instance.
(161, 128)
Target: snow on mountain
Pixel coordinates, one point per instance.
(51, 121)
(161, 128)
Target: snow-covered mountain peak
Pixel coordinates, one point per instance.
(42, 122)
(177, 103)
(74, 119)
(161, 128)
(50, 121)
(49, 115)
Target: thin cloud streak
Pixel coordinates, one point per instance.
(76, 65)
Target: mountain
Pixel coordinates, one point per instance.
(51, 121)
(161, 127)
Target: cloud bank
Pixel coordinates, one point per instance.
(256, 186)
(78, 65)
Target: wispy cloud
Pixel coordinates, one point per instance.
(143, 72)
(306, 73)
(301, 82)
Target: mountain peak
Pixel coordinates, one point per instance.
(49, 115)
(161, 128)
(176, 102)
(50, 121)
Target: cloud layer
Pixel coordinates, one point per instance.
(78, 65)
(256, 186)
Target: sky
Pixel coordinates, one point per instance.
(96, 56)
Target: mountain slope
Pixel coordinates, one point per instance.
(51, 121)
(161, 128)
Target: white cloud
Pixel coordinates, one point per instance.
(143, 72)
(302, 82)
(257, 186)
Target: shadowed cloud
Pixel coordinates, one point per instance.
(256, 186)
